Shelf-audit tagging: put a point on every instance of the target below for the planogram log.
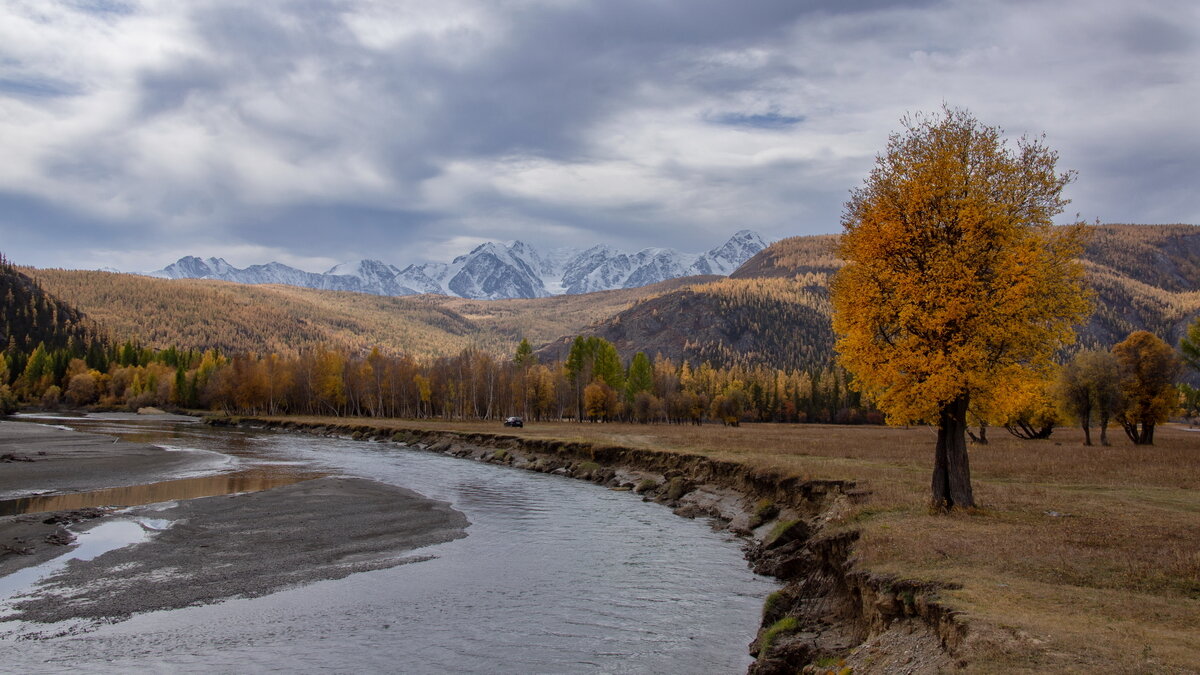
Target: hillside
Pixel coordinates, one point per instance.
(1144, 276)
(193, 313)
(29, 315)
(773, 310)
(773, 321)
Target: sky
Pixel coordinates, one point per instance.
(314, 132)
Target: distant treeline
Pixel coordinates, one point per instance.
(592, 384)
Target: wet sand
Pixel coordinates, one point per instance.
(46, 459)
(219, 547)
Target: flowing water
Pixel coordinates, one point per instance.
(555, 576)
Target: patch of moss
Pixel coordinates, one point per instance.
(587, 467)
(772, 603)
(765, 509)
(788, 624)
(500, 455)
(778, 531)
(676, 489)
(645, 485)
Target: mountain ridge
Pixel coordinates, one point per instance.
(492, 270)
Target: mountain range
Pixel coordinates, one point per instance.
(492, 271)
(773, 311)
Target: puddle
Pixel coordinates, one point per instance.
(97, 541)
(152, 493)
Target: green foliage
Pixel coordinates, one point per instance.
(778, 531)
(1189, 400)
(524, 357)
(771, 604)
(1088, 386)
(641, 376)
(788, 624)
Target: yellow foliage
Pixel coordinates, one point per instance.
(957, 283)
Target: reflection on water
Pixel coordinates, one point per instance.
(171, 490)
(97, 541)
(555, 576)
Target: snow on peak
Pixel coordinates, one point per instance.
(494, 270)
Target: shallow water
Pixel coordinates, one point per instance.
(252, 480)
(555, 575)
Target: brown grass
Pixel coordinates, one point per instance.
(165, 313)
(1081, 559)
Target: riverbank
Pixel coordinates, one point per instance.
(199, 550)
(1079, 559)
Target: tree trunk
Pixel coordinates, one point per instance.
(1087, 433)
(951, 469)
(1147, 433)
(1131, 431)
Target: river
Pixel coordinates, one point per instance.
(555, 576)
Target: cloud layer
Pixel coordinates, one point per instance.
(316, 131)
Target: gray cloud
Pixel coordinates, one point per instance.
(317, 131)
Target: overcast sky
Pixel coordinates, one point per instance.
(314, 132)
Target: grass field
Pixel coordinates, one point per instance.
(1079, 559)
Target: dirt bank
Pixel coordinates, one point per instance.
(829, 612)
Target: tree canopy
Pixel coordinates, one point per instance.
(957, 288)
(1148, 369)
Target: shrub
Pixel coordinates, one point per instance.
(51, 397)
(8, 401)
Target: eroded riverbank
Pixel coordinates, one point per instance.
(828, 611)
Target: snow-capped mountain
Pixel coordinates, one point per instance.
(362, 276)
(492, 271)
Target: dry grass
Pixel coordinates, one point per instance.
(163, 313)
(1081, 559)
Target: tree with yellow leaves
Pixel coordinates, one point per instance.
(958, 288)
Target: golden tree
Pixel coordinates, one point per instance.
(1148, 368)
(958, 288)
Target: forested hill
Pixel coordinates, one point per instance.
(774, 309)
(29, 315)
(236, 318)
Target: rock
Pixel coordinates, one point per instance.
(742, 524)
(786, 532)
(60, 538)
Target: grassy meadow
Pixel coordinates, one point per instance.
(1079, 559)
